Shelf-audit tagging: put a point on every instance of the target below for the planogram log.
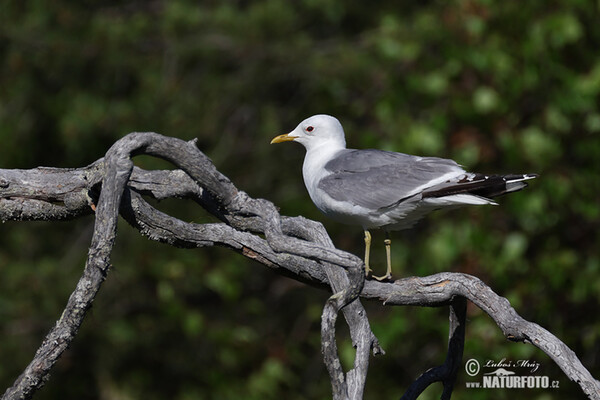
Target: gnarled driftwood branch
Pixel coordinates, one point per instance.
(296, 247)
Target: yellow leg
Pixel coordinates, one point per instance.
(388, 253)
(367, 252)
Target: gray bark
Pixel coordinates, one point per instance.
(296, 247)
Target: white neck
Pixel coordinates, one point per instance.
(315, 160)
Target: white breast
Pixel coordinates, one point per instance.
(313, 168)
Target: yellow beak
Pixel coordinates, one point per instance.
(283, 138)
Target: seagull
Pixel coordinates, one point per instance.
(383, 189)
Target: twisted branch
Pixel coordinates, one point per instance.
(296, 247)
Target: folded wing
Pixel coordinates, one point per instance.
(376, 179)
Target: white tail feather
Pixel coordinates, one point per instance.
(459, 199)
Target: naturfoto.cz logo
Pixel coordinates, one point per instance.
(502, 376)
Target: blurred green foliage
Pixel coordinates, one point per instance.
(498, 86)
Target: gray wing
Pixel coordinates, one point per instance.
(377, 179)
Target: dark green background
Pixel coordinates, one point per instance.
(498, 86)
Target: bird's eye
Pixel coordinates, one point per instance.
(310, 129)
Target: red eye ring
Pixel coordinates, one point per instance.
(310, 129)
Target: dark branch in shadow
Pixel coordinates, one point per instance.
(445, 373)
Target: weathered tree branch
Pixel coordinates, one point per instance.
(296, 247)
(116, 175)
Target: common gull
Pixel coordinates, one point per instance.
(384, 189)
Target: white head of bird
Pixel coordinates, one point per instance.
(316, 131)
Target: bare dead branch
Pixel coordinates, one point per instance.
(442, 288)
(296, 247)
(116, 175)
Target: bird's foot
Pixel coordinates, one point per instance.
(384, 278)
